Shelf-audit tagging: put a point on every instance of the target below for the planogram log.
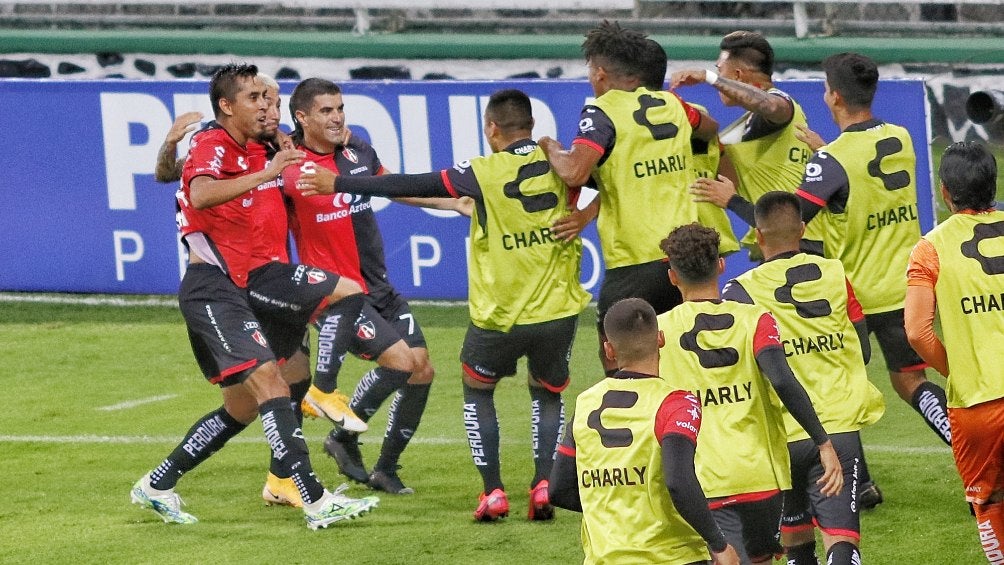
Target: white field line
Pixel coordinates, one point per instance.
(436, 440)
(134, 403)
(165, 300)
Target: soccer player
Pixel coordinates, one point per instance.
(636, 420)
(861, 189)
(217, 222)
(956, 269)
(730, 356)
(525, 294)
(341, 234)
(762, 144)
(271, 280)
(635, 143)
(826, 342)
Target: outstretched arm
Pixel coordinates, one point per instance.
(573, 165)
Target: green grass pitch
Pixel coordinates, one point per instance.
(73, 445)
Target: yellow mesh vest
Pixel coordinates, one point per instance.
(627, 514)
(807, 296)
(643, 181)
(706, 157)
(970, 294)
(517, 272)
(709, 351)
(773, 162)
(874, 235)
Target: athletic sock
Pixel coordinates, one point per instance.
(930, 401)
(335, 330)
(402, 420)
(203, 439)
(804, 554)
(482, 425)
(547, 419)
(843, 553)
(990, 521)
(289, 450)
(374, 388)
(297, 391)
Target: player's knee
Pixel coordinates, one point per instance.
(475, 380)
(554, 385)
(424, 372)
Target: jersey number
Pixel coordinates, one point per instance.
(536, 202)
(798, 274)
(710, 358)
(667, 130)
(884, 148)
(971, 248)
(613, 437)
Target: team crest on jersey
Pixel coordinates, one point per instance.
(366, 331)
(315, 276)
(259, 338)
(350, 154)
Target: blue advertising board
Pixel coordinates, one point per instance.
(83, 213)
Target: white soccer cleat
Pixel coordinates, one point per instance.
(166, 503)
(335, 507)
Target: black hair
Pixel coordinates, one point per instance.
(630, 325)
(226, 84)
(968, 171)
(854, 76)
(692, 250)
(621, 52)
(751, 48)
(655, 64)
(510, 110)
(303, 99)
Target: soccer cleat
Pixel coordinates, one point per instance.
(540, 503)
(334, 406)
(166, 503)
(348, 458)
(491, 507)
(335, 507)
(869, 496)
(388, 482)
(282, 492)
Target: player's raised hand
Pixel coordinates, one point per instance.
(318, 180)
(728, 556)
(809, 137)
(718, 192)
(832, 480)
(183, 125)
(687, 77)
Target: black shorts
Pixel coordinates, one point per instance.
(648, 281)
(376, 331)
(227, 339)
(890, 331)
(752, 528)
(836, 515)
(489, 355)
(284, 297)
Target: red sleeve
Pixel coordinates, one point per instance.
(680, 413)
(767, 334)
(693, 114)
(854, 311)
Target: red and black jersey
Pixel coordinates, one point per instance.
(339, 232)
(222, 235)
(271, 224)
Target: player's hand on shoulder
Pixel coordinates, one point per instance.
(686, 77)
(832, 481)
(183, 125)
(726, 557)
(284, 140)
(809, 137)
(549, 144)
(717, 191)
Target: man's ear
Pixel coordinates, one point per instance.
(608, 351)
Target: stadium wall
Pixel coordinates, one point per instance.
(83, 213)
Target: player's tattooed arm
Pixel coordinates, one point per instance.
(169, 165)
(775, 109)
